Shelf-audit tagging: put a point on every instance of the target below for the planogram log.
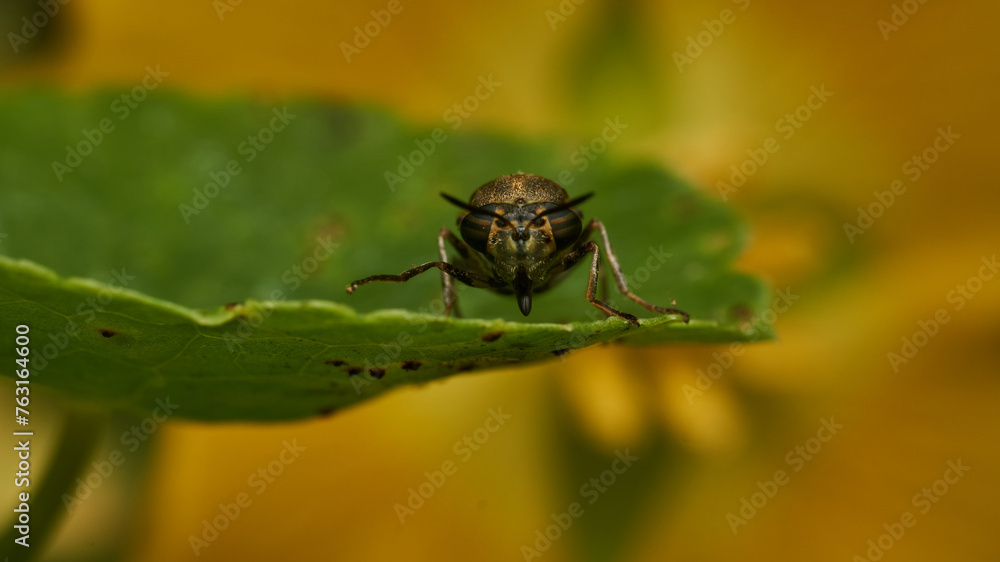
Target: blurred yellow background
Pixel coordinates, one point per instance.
(700, 87)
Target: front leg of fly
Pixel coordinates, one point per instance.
(467, 260)
(573, 258)
(580, 249)
(616, 269)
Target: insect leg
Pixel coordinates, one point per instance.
(616, 269)
(464, 251)
(604, 288)
(470, 278)
(573, 258)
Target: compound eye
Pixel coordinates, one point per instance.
(475, 229)
(566, 227)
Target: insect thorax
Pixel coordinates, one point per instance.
(527, 187)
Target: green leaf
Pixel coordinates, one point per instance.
(152, 214)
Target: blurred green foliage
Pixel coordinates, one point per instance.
(151, 196)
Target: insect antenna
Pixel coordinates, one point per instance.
(566, 205)
(470, 208)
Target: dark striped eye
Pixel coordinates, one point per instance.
(566, 227)
(475, 229)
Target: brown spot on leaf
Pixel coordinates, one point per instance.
(334, 362)
(232, 305)
(326, 411)
(376, 372)
(560, 352)
(354, 370)
(743, 315)
(465, 368)
(411, 365)
(108, 333)
(492, 336)
(741, 312)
